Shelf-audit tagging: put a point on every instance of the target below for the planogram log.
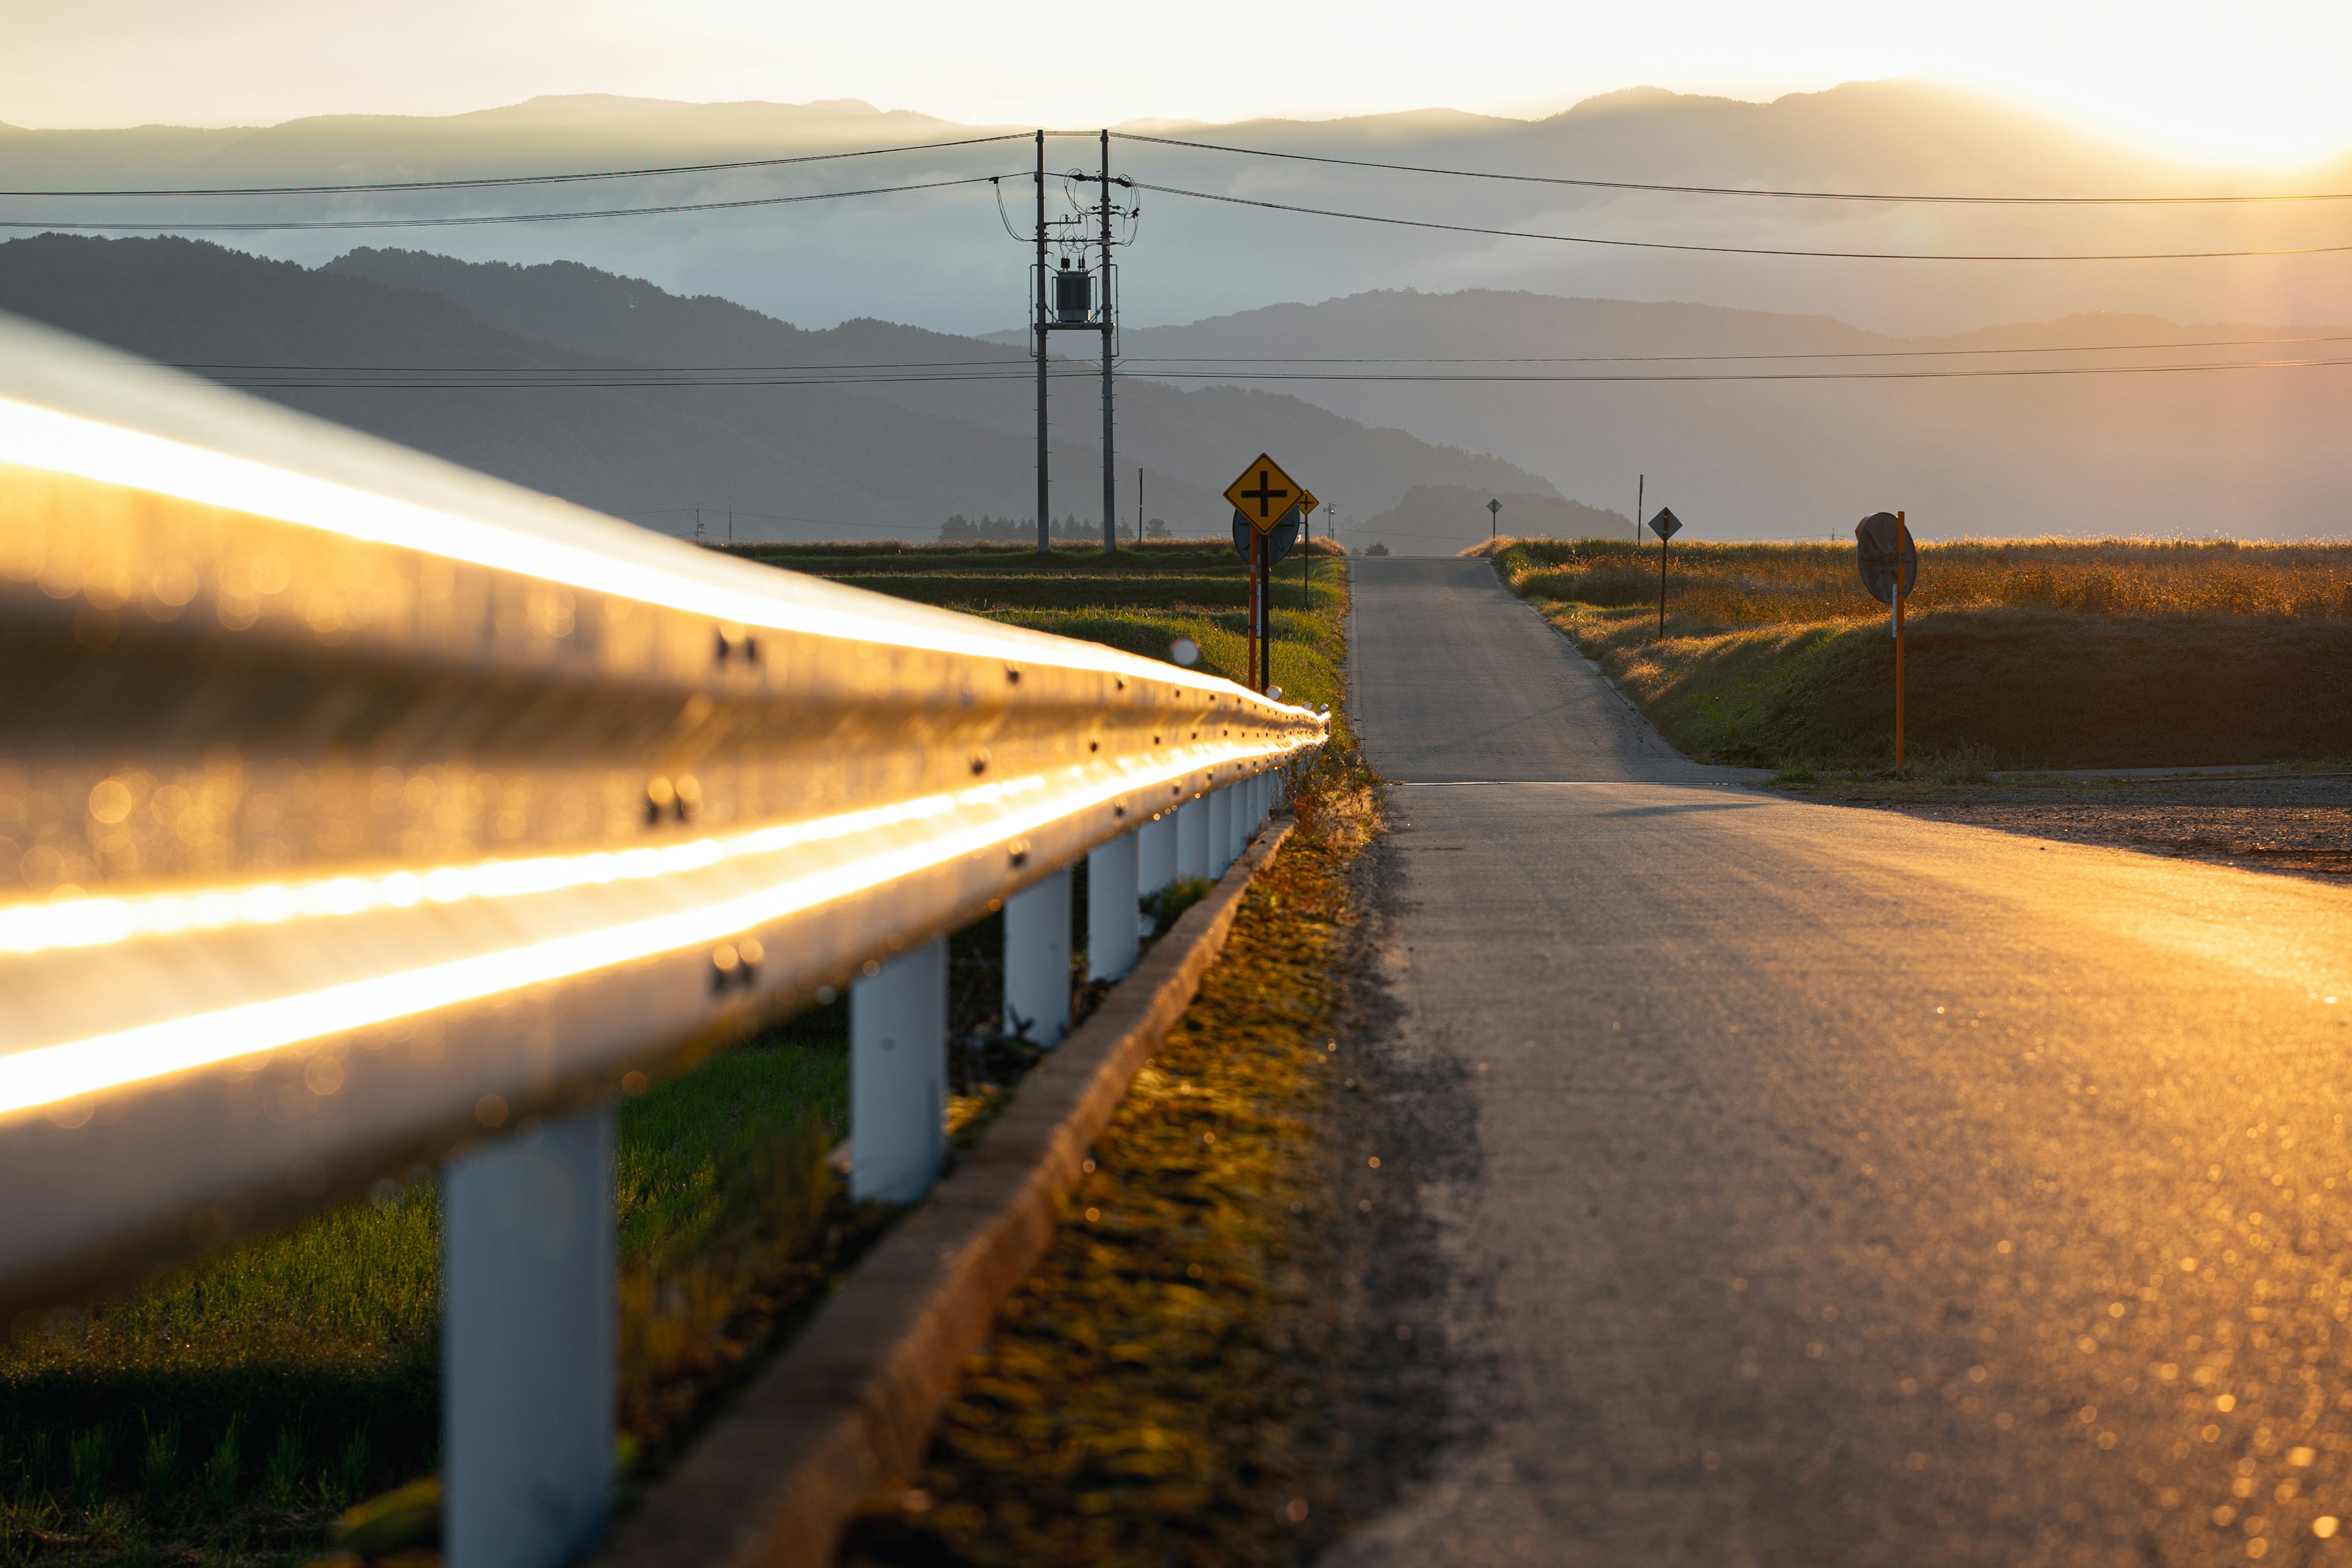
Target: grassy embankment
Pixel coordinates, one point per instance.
(225, 1413)
(2019, 653)
(1167, 1387)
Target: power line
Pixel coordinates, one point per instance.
(487, 181)
(1774, 375)
(679, 207)
(396, 381)
(1746, 249)
(1021, 366)
(1674, 359)
(1023, 375)
(624, 370)
(1738, 189)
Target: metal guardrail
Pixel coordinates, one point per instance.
(355, 808)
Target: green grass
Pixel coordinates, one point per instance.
(2009, 672)
(1139, 600)
(231, 1408)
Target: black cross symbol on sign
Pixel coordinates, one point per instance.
(1265, 493)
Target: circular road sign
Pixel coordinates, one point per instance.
(1279, 539)
(1879, 540)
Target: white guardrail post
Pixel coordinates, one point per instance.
(1114, 937)
(898, 1074)
(1193, 836)
(1155, 855)
(1037, 961)
(527, 1323)
(358, 812)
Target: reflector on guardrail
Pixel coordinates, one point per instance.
(352, 804)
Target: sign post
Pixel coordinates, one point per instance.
(1308, 502)
(1264, 499)
(1889, 564)
(1257, 649)
(1494, 519)
(1665, 525)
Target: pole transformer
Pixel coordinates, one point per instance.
(1044, 542)
(1110, 479)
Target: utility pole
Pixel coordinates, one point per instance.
(1639, 480)
(1110, 479)
(1043, 542)
(1139, 503)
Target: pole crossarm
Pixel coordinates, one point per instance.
(363, 806)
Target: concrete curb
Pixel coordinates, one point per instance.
(841, 1417)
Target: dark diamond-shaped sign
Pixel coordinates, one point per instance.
(1665, 525)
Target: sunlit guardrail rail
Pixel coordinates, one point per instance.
(353, 805)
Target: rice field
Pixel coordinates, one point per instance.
(2036, 653)
(1732, 584)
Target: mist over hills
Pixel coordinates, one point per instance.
(2247, 453)
(943, 258)
(793, 461)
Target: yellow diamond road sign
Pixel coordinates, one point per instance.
(1307, 502)
(1264, 494)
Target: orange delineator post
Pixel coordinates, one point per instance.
(1902, 539)
(1257, 549)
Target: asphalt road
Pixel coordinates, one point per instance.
(1833, 1187)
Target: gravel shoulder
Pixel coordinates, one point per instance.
(2297, 824)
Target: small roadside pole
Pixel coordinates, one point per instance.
(1641, 482)
(1889, 564)
(1494, 519)
(1665, 525)
(1308, 502)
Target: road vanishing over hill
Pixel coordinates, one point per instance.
(1831, 1188)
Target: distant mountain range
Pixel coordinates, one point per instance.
(1741, 421)
(942, 257)
(1440, 519)
(855, 460)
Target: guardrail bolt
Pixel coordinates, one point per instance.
(735, 965)
(735, 642)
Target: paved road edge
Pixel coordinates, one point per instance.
(841, 1417)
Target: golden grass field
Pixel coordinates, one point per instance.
(2036, 653)
(1759, 584)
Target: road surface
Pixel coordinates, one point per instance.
(1841, 1188)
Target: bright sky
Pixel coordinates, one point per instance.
(2251, 79)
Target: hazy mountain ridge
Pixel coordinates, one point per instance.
(2256, 453)
(796, 461)
(942, 258)
(1431, 519)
